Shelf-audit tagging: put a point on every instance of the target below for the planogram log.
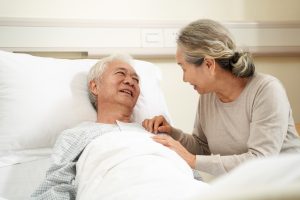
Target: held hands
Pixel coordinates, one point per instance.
(157, 124)
(176, 146)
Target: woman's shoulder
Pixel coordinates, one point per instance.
(264, 86)
(263, 78)
(261, 81)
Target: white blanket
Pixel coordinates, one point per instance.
(130, 165)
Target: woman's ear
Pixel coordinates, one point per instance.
(210, 63)
(93, 87)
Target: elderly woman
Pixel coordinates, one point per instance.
(241, 114)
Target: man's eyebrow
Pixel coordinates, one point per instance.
(135, 74)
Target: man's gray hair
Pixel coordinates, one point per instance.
(96, 72)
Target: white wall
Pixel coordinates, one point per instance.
(180, 97)
(154, 9)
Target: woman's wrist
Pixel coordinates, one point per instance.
(192, 161)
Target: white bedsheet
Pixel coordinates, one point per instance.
(130, 165)
(8, 158)
(275, 178)
(270, 178)
(18, 181)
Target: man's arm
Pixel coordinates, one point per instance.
(59, 183)
(60, 177)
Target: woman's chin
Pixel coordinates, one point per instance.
(200, 91)
(197, 89)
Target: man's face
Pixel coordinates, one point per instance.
(119, 84)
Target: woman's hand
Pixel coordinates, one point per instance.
(157, 124)
(176, 146)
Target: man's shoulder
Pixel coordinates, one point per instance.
(71, 141)
(82, 126)
(77, 131)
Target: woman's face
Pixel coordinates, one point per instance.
(200, 77)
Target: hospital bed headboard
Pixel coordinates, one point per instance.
(95, 38)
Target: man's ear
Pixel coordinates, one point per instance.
(93, 87)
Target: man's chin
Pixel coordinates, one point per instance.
(128, 102)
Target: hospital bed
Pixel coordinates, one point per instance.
(40, 97)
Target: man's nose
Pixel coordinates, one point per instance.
(128, 80)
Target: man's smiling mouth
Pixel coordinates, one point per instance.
(129, 92)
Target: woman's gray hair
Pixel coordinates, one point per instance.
(96, 72)
(209, 38)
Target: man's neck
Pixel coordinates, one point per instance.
(110, 115)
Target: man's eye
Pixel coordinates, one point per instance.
(120, 72)
(136, 80)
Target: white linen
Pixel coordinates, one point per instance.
(275, 177)
(40, 97)
(17, 182)
(130, 165)
(8, 158)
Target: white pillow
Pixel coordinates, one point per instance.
(40, 97)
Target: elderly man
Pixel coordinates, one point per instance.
(124, 163)
(113, 91)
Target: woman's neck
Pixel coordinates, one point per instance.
(230, 88)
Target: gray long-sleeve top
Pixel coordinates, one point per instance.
(258, 123)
